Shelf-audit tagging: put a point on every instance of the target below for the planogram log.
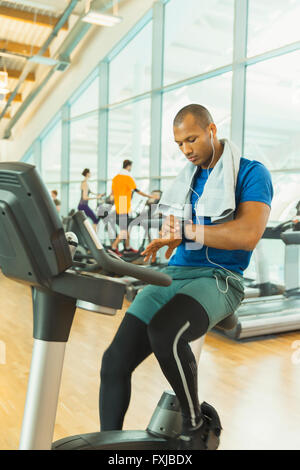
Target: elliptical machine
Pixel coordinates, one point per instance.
(34, 251)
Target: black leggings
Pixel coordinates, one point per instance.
(177, 323)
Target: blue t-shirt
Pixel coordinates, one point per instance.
(254, 183)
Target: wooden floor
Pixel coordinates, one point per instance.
(254, 385)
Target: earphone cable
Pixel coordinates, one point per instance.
(206, 251)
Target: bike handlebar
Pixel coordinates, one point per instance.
(282, 225)
(114, 265)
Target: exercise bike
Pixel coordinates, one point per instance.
(34, 251)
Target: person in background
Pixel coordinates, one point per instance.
(56, 201)
(85, 198)
(123, 185)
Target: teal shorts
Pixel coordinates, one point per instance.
(202, 284)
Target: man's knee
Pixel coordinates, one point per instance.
(180, 309)
(161, 326)
(111, 363)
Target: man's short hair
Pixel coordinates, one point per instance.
(127, 163)
(201, 114)
(54, 192)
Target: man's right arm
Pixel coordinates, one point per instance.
(143, 194)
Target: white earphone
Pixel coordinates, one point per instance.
(212, 144)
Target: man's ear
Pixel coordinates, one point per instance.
(213, 130)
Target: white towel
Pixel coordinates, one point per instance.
(218, 198)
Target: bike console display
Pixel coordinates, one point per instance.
(33, 247)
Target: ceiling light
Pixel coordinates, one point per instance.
(96, 15)
(101, 19)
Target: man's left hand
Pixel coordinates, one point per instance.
(153, 247)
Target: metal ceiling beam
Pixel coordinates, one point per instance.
(64, 17)
(238, 103)
(18, 48)
(77, 33)
(17, 73)
(30, 17)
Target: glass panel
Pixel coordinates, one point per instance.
(138, 202)
(130, 70)
(140, 232)
(215, 95)
(129, 138)
(165, 183)
(51, 159)
(83, 154)
(286, 196)
(272, 24)
(198, 37)
(30, 159)
(273, 250)
(272, 119)
(108, 186)
(88, 100)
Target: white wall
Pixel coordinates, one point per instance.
(5, 154)
(95, 46)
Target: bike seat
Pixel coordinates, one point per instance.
(229, 322)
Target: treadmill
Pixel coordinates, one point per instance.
(278, 313)
(262, 286)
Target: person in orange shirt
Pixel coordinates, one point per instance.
(123, 186)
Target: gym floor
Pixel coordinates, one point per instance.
(254, 385)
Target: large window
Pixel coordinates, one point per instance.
(198, 37)
(129, 138)
(273, 122)
(286, 195)
(29, 158)
(215, 95)
(272, 112)
(130, 70)
(272, 24)
(197, 40)
(51, 158)
(83, 154)
(87, 100)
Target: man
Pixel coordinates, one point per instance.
(206, 268)
(122, 187)
(56, 201)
